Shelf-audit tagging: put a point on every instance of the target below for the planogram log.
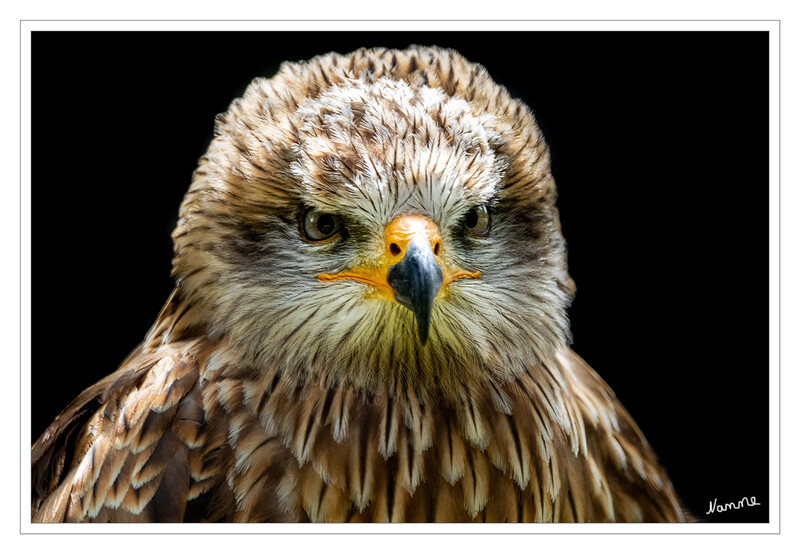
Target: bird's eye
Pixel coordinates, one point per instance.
(318, 226)
(476, 222)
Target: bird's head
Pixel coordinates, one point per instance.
(379, 217)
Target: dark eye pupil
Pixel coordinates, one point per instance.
(471, 219)
(326, 224)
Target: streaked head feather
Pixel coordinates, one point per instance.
(367, 137)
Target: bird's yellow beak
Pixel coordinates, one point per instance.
(411, 269)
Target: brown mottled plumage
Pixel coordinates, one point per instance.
(275, 386)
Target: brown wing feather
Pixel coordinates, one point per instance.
(54, 449)
(124, 450)
(621, 474)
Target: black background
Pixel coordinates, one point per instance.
(659, 144)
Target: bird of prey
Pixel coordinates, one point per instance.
(368, 324)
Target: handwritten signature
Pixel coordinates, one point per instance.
(744, 502)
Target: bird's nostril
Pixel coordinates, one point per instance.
(436, 248)
(394, 249)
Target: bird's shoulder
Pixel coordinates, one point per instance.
(621, 468)
(115, 453)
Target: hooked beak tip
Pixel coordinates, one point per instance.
(423, 327)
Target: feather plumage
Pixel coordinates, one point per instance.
(264, 394)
